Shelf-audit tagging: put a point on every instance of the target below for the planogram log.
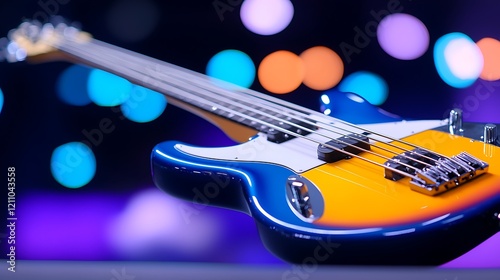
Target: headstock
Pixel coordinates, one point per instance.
(34, 40)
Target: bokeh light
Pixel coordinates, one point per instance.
(490, 48)
(153, 221)
(368, 85)
(133, 28)
(232, 66)
(266, 17)
(1, 100)
(82, 220)
(73, 164)
(143, 105)
(403, 36)
(72, 85)
(458, 60)
(323, 68)
(281, 72)
(106, 89)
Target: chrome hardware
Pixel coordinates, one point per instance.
(456, 121)
(434, 174)
(490, 133)
(304, 198)
(448, 173)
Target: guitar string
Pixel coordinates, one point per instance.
(309, 130)
(134, 74)
(453, 170)
(409, 166)
(250, 92)
(450, 170)
(209, 83)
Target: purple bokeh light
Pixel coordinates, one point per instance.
(147, 225)
(153, 221)
(266, 17)
(65, 226)
(403, 36)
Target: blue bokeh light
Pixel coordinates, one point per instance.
(368, 85)
(232, 66)
(458, 60)
(143, 105)
(72, 85)
(1, 100)
(73, 164)
(107, 89)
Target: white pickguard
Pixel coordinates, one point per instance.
(300, 154)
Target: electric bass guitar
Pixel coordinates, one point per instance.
(321, 190)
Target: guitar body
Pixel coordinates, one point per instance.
(362, 217)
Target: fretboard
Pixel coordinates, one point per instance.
(244, 106)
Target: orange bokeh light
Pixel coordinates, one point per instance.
(491, 53)
(323, 68)
(281, 72)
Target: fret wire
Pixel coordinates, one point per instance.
(201, 100)
(329, 127)
(250, 92)
(209, 85)
(202, 78)
(293, 124)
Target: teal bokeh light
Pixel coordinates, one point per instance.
(106, 89)
(72, 85)
(232, 66)
(73, 164)
(1, 100)
(368, 85)
(143, 105)
(450, 65)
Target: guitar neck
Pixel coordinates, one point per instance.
(279, 119)
(244, 106)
